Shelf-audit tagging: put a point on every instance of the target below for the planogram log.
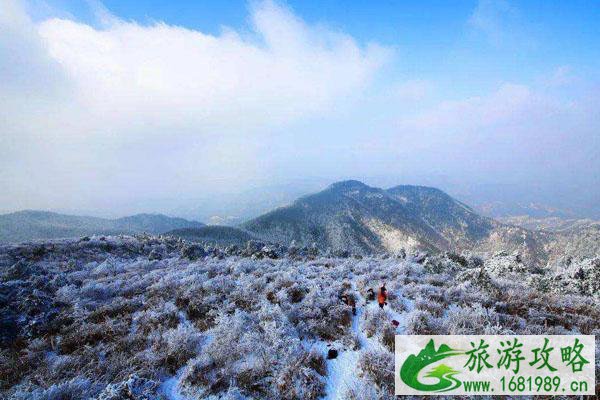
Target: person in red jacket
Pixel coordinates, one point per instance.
(382, 296)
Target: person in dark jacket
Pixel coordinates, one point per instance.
(370, 294)
(348, 299)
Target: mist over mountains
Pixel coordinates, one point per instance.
(28, 225)
(347, 216)
(162, 315)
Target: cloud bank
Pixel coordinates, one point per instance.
(104, 117)
(85, 101)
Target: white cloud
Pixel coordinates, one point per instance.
(513, 132)
(508, 103)
(168, 76)
(105, 107)
(492, 17)
(560, 76)
(413, 90)
(101, 117)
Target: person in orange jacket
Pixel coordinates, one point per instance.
(382, 296)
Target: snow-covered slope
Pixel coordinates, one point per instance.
(159, 318)
(351, 216)
(346, 216)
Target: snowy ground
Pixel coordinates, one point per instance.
(135, 318)
(342, 371)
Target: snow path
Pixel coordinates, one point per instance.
(342, 371)
(169, 387)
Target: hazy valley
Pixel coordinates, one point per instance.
(193, 311)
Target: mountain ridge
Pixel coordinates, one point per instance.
(347, 216)
(34, 224)
(350, 215)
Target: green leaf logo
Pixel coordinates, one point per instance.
(409, 372)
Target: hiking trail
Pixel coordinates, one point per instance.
(343, 371)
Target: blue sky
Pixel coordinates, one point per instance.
(433, 35)
(137, 99)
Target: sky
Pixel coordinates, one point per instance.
(120, 106)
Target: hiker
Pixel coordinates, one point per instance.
(382, 296)
(352, 303)
(349, 300)
(370, 294)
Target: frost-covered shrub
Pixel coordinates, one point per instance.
(378, 367)
(119, 307)
(322, 314)
(415, 290)
(447, 262)
(245, 349)
(480, 278)
(96, 291)
(165, 315)
(12, 368)
(176, 346)
(199, 307)
(303, 378)
(296, 293)
(76, 389)
(192, 252)
(418, 322)
(387, 336)
(432, 307)
(397, 303)
(351, 341)
(374, 320)
(581, 277)
(134, 388)
(18, 271)
(90, 334)
(361, 390)
(233, 393)
(106, 268)
(503, 263)
(438, 280)
(237, 327)
(470, 320)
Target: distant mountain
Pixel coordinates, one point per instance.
(455, 221)
(581, 241)
(29, 225)
(346, 216)
(214, 234)
(350, 215)
(551, 224)
(499, 209)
